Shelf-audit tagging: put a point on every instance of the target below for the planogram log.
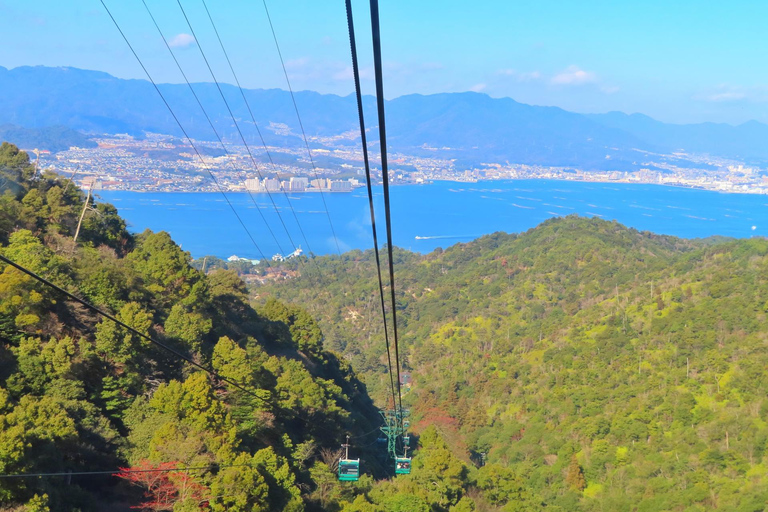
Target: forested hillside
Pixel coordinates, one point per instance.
(94, 417)
(79, 393)
(578, 366)
(582, 365)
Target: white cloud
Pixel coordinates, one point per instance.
(520, 76)
(724, 93)
(478, 87)
(573, 75)
(296, 63)
(181, 41)
(609, 89)
(725, 96)
(347, 74)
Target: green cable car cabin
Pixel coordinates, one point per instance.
(349, 470)
(403, 466)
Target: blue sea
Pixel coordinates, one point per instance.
(439, 214)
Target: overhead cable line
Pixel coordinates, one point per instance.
(170, 350)
(301, 125)
(255, 124)
(207, 117)
(376, 34)
(237, 125)
(181, 127)
(121, 471)
(359, 95)
(179, 355)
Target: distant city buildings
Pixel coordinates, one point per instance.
(300, 184)
(272, 184)
(341, 186)
(294, 254)
(254, 185)
(160, 163)
(235, 258)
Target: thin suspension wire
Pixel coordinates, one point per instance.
(122, 324)
(253, 119)
(359, 95)
(207, 117)
(385, 175)
(301, 125)
(120, 471)
(202, 160)
(234, 120)
(181, 127)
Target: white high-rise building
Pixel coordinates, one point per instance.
(272, 184)
(320, 183)
(298, 184)
(254, 185)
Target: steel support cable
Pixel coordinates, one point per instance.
(376, 34)
(255, 124)
(359, 95)
(234, 120)
(301, 125)
(181, 127)
(210, 123)
(210, 371)
(127, 471)
(170, 350)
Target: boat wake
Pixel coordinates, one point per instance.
(443, 237)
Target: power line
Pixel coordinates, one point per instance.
(234, 120)
(181, 127)
(359, 95)
(122, 324)
(255, 124)
(121, 471)
(207, 117)
(301, 125)
(376, 34)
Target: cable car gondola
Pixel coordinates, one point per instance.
(403, 466)
(349, 470)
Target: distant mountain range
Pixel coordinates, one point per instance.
(51, 138)
(470, 127)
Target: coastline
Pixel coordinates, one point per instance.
(214, 190)
(440, 212)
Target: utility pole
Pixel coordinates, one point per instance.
(37, 161)
(69, 182)
(204, 261)
(85, 207)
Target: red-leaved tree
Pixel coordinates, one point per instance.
(165, 485)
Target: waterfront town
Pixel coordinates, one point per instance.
(160, 163)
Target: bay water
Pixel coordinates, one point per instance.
(428, 216)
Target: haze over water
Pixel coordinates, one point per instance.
(442, 213)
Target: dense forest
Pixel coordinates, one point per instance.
(81, 394)
(581, 365)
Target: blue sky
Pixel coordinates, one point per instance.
(677, 61)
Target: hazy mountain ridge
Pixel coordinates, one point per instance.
(52, 138)
(471, 127)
